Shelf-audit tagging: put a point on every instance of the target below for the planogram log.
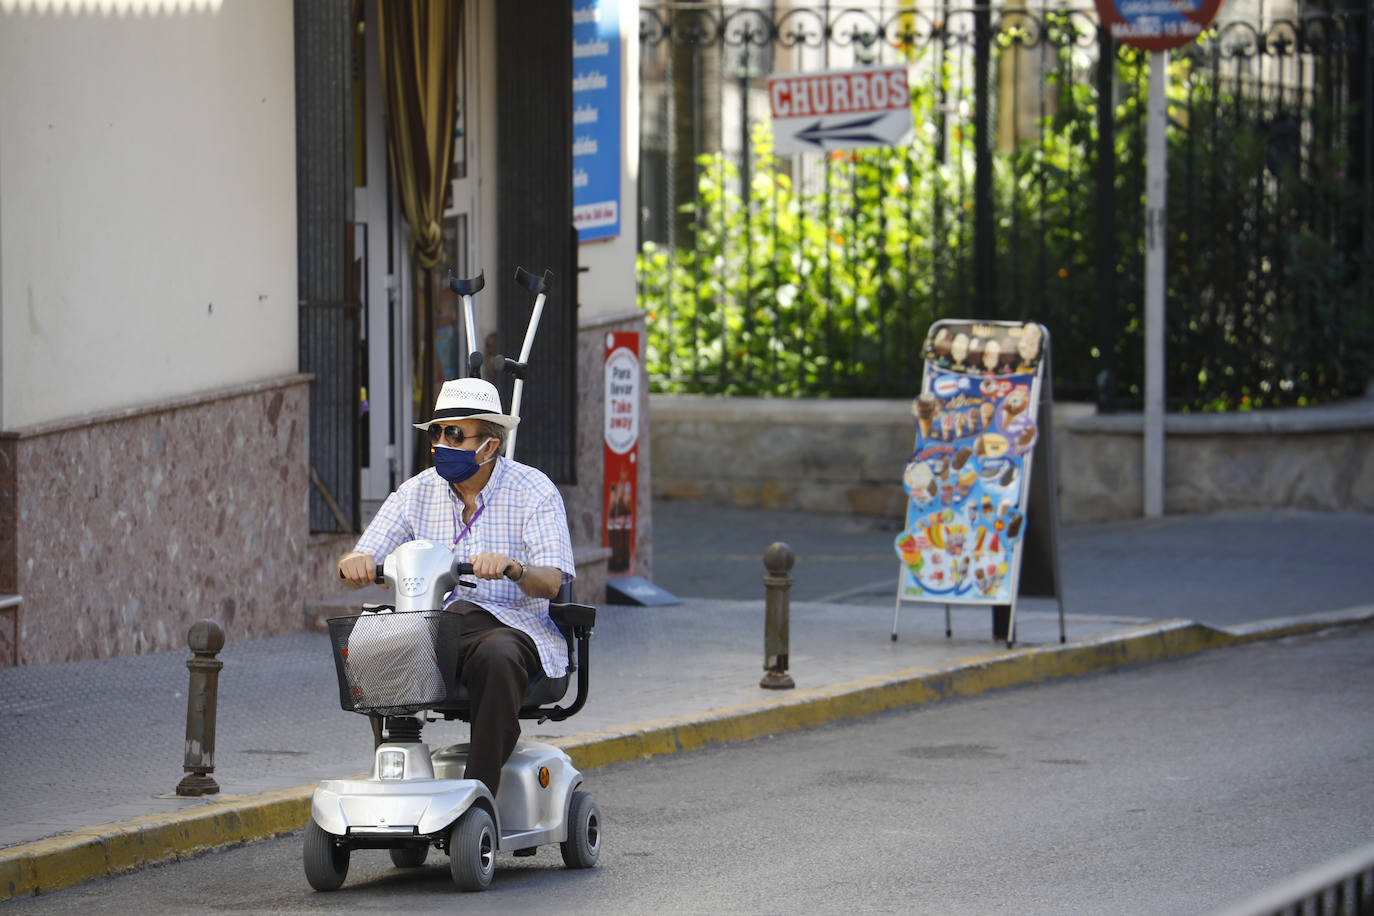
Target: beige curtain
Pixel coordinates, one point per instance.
(419, 51)
(419, 41)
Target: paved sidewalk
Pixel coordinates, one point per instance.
(93, 749)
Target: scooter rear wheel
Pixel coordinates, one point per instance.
(326, 864)
(472, 850)
(583, 846)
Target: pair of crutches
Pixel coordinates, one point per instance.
(466, 289)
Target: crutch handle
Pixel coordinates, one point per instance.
(469, 286)
(533, 283)
(514, 367)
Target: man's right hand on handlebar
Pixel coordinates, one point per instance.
(358, 569)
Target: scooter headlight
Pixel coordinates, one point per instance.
(391, 765)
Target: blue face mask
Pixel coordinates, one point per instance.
(457, 464)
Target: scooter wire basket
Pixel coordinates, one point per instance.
(392, 663)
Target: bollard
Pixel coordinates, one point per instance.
(778, 560)
(205, 639)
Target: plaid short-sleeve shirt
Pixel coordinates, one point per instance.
(522, 516)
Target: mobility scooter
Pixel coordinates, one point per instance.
(398, 663)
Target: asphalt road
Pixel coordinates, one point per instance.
(1169, 789)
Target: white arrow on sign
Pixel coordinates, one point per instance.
(839, 109)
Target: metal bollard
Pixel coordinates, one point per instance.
(778, 560)
(205, 639)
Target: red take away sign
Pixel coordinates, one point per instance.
(622, 451)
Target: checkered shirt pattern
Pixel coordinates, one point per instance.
(522, 517)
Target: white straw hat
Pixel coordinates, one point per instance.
(469, 399)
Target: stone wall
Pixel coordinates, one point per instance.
(1290, 458)
(121, 530)
(846, 457)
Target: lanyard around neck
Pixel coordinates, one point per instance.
(458, 535)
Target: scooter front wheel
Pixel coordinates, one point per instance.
(583, 846)
(326, 863)
(472, 850)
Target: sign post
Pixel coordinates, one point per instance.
(1156, 26)
(1156, 181)
(971, 477)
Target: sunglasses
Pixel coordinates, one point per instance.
(452, 435)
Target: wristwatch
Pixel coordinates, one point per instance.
(523, 569)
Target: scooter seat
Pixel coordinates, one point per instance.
(542, 690)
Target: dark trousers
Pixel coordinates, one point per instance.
(496, 663)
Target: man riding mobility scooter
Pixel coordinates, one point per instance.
(399, 663)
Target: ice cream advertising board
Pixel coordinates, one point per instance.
(968, 479)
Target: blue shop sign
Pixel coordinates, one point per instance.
(596, 119)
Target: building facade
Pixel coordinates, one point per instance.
(209, 299)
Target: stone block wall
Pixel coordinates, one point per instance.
(121, 530)
(846, 457)
(1290, 458)
(831, 456)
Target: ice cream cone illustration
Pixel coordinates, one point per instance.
(985, 412)
(924, 409)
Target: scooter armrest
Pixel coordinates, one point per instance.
(573, 615)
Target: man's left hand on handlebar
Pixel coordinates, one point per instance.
(536, 581)
(493, 566)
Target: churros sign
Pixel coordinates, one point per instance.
(839, 109)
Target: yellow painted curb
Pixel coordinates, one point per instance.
(96, 852)
(112, 849)
(968, 677)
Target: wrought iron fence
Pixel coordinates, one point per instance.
(1020, 195)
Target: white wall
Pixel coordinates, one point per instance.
(147, 205)
(608, 286)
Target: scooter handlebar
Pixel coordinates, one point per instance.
(378, 578)
(459, 568)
